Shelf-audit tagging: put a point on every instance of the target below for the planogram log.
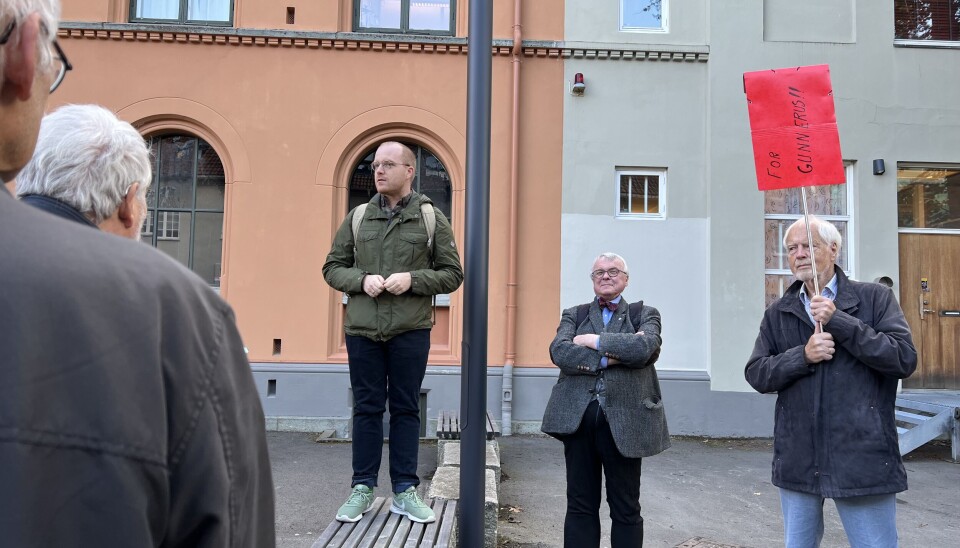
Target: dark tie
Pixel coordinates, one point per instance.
(605, 303)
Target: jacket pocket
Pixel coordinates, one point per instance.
(361, 314)
(412, 247)
(367, 248)
(865, 456)
(652, 402)
(654, 430)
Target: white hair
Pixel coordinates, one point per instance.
(827, 231)
(87, 158)
(611, 256)
(18, 10)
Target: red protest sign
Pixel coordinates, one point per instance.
(794, 127)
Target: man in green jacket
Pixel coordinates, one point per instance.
(390, 267)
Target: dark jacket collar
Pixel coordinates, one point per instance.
(399, 206)
(846, 297)
(596, 314)
(411, 206)
(57, 207)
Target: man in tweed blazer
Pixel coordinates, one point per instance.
(606, 406)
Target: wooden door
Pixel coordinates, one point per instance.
(930, 297)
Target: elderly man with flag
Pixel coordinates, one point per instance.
(834, 360)
(833, 349)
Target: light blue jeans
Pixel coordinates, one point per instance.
(870, 521)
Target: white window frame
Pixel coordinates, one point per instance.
(404, 28)
(165, 228)
(148, 224)
(664, 21)
(658, 172)
(183, 14)
(848, 242)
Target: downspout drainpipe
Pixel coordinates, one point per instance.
(510, 357)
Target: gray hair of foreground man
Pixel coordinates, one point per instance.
(18, 10)
(610, 256)
(87, 158)
(827, 231)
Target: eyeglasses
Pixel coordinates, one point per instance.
(60, 61)
(64, 66)
(7, 33)
(613, 273)
(386, 165)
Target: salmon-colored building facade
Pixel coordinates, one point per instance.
(291, 100)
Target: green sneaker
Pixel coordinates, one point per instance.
(359, 503)
(409, 503)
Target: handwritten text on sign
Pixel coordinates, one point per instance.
(794, 127)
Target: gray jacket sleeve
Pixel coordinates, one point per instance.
(887, 346)
(767, 369)
(572, 359)
(220, 469)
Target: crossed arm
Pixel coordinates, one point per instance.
(577, 354)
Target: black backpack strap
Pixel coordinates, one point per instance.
(582, 312)
(636, 313)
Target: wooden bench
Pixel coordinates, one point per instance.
(448, 426)
(380, 528)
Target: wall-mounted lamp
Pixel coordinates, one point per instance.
(878, 167)
(578, 86)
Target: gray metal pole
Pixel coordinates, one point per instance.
(473, 390)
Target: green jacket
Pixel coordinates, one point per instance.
(384, 249)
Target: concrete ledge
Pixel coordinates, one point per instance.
(322, 424)
(448, 454)
(307, 424)
(446, 485)
(527, 428)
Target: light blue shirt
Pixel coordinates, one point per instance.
(607, 316)
(830, 292)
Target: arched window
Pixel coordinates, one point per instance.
(185, 203)
(430, 179)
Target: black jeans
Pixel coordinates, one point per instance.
(384, 371)
(589, 451)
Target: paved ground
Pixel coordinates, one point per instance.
(717, 490)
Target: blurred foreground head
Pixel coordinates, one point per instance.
(29, 67)
(93, 162)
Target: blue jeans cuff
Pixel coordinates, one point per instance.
(401, 487)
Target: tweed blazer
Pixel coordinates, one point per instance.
(634, 407)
